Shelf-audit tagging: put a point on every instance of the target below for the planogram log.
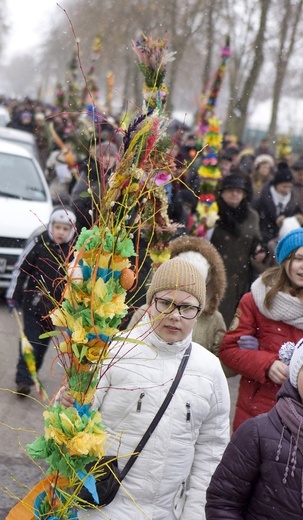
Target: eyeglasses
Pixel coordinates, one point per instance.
(189, 312)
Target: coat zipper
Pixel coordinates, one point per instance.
(187, 412)
(182, 489)
(139, 403)
(181, 492)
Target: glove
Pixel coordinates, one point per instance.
(248, 342)
(12, 304)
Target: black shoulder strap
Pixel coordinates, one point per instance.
(159, 414)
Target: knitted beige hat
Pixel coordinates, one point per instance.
(177, 274)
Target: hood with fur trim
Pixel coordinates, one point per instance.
(216, 278)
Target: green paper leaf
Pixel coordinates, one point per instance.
(50, 334)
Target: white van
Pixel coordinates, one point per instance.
(25, 204)
(20, 138)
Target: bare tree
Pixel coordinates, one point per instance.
(180, 18)
(238, 106)
(290, 17)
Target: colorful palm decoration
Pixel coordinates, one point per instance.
(93, 304)
(209, 100)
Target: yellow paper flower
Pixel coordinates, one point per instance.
(84, 397)
(56, 435)
(74, 296)
(93, 353)
(214, 121)
(159, 257)
(79, 332)
(207, 173)
(118, 263)
(61, 318)
(69, 427)
(58, 318)
(99, 289)
(87, 444)
(214, 140)
(64, 347)
(204, 210)
(115, 306)
(103, 260)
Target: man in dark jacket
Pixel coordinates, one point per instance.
(37, 280)
(260, 475)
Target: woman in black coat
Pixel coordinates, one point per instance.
(260, 476)
(236, 236)
(276, 202)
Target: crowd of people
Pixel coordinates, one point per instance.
(228, 300)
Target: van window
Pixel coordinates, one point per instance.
(19, 178)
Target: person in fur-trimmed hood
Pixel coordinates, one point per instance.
(261, 472)
(268, 316)
(210, 327)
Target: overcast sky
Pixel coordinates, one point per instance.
(28, 20)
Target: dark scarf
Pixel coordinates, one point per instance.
(231, 218)
(291, 414)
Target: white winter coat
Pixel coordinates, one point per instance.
(169, 479)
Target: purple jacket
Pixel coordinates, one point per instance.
(248, 482)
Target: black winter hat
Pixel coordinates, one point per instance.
(233, 181)
(283, 174)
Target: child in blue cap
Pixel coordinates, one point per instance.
(268, 316)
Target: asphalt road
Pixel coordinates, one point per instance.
(21, 419)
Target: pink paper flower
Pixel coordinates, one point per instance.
(162, 178)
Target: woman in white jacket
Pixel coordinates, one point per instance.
(169, 479)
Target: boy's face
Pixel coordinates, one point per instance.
(172, 327)
(60, 232)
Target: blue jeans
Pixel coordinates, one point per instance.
(34, 325)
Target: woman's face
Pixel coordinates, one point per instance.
(294, 269)
(264, 170)
(172, 327)
(233, 196)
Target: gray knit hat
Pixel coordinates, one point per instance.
(292, 354)
(296, 363)
(177, 274)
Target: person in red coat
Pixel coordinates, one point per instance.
(267, 317)
(260, 474)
